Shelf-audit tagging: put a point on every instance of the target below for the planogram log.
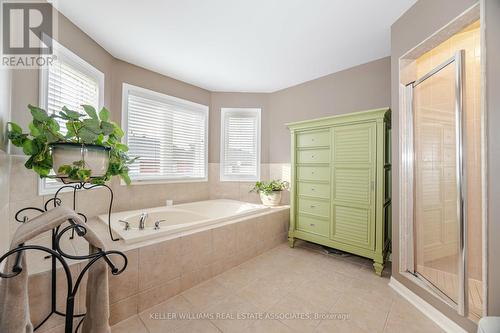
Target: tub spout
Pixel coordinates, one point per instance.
(142, 220)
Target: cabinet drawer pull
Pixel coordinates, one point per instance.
(312, 156)
(312, 224)
(313, 189)
(313, 206)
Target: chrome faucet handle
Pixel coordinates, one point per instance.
(127, 224)
(157, 224)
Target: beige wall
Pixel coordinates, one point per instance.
(359, 88)
(413, 27)
(492, 42)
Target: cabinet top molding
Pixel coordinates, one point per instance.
(341, 118)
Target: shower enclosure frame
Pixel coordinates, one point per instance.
(404, 181)
(461, 182)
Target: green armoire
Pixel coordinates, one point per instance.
(341, 183)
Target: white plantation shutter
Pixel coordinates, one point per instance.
(69, 81)
(168, 134)
(240, 144)
(69, 87)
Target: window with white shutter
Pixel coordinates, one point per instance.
(240, 144)
(168, 134)
(70, 81)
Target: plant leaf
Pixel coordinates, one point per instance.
(41, 170)
(29, 147)
(125, 177)
(73, 115)
(34, 131)
(15, 128)
(29, 163)
(87, 135)
(104, 114)
(90, 110)
(38, 113)
(118, 132)
(107, 128)
(92, 125)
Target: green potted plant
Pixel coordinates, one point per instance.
(88, 149)
(270, 193)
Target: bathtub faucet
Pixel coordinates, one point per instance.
(142, 220)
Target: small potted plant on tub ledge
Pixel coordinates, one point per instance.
(86, 150)
(270, 192)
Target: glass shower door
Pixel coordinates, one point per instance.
(438, 206)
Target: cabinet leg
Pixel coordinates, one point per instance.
(291, 242)
(379, 267)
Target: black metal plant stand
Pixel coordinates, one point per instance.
(75, 186)
(56, 254)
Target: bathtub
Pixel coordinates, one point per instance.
(168, 220)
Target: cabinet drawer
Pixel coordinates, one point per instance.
(313, 156)
(315, 207)
(314, 190)
(312, 139)
(313, 226)
(313, 173)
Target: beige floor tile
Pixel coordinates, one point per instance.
(233, 308)
(318, 291)
(404, 317)
(160, 318)
(340, 326)
(292, 306)
(266, 291)
(131, 325)
(206, 294)
(367, 315)
(197, 326)
(300, 280)
(236, 278)
(268, 326)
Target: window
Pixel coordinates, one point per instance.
(69, 81)
(168, 134)
(240, 145)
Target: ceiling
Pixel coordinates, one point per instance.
(240, 45)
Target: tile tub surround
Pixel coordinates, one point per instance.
(161, 268)
(95, 202)
(241, 190)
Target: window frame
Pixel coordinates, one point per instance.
(161, 97)
(231, 178)
(64, 54)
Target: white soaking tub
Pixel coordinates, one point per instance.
(178, 218)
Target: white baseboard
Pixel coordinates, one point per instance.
(434, 314)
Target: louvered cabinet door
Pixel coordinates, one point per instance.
(353, 184)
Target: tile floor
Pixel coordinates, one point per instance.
(284, 282)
